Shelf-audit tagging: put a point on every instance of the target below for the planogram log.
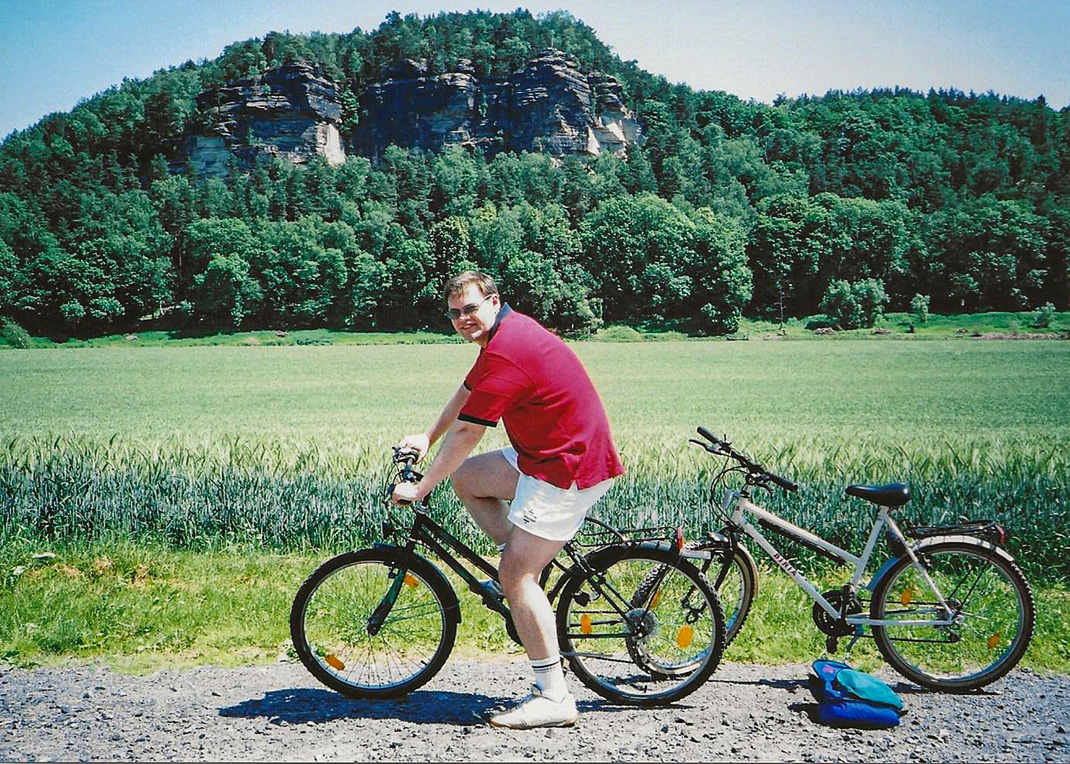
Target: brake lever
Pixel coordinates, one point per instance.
(709, 448)
(761, 481)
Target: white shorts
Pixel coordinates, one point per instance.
(547, 511)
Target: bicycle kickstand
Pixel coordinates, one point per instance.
(850, 645)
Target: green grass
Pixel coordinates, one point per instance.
(141, 608)
(265, 338)
(884, 394)
(891, 326)
(904, 326)
(198, 447)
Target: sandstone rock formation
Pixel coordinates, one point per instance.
(290, 112)
(550, 106)
(293, 112)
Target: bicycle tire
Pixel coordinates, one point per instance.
(736, 593)
(329, 617)
(601, 631)
(995, 608)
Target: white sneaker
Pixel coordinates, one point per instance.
(536, 710)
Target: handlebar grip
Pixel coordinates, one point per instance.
(784, 483)
(390, 494)
(709, 436)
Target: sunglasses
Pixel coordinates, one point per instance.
(453, 314)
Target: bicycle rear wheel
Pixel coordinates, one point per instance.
(735, 590)
(626, 648)
(991, 604)
(331, 623)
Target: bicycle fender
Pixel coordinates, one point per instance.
(600, 558)
(931, 541)
(453, 606)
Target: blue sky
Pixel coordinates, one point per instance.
(55, 52)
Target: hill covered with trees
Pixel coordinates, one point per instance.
(726, 208)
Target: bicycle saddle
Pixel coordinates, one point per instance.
(891, 495)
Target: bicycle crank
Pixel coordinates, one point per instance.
(846, 605)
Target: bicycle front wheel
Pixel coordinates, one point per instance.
(353, 638)
(736, 589)
(627, 648)
(990, 604)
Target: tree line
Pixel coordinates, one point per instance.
(869, 198)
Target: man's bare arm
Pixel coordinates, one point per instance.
(459, 442)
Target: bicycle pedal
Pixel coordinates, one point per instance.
(831, 643)
(490, 591)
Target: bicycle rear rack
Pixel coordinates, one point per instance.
(986, 530)
(604, 535)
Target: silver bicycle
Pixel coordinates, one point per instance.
(949, 610)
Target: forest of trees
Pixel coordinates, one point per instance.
(727, 208)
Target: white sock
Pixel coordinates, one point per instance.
(550, 677)
(501, 547)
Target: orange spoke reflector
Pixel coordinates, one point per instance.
(333, 660)
(907, 596)
(657, 598)
(994, 640)
(585, 623)
(411, 580)
(684, 636)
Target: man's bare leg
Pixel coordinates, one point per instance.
(522, 561)
(550, 703)
(485, 484)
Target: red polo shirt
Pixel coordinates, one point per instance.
(555, 420)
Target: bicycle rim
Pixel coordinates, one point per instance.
(408, 648)
(642, 650)
(736, 591)
(993, 609)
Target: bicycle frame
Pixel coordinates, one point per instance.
(436, 538)
(739, 503)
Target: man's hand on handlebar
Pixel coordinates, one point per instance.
(421, 444)
(406, 493)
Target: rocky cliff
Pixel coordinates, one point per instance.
(293, 112)
(550, 106)
(290, 112)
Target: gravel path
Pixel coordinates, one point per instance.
(279, 712)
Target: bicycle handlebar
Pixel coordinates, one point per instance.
(406, 457)
(724, 448)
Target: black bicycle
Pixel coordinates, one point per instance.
(381, 622)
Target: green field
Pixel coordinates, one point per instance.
(245, 435)
(884, 394)
(254, 451)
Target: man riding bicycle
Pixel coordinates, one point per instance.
(530, 498)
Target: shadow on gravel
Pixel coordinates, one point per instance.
(810, 709)
(303, 705)
(780, 684)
